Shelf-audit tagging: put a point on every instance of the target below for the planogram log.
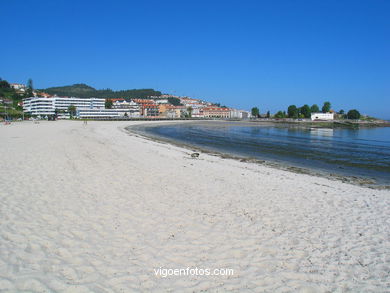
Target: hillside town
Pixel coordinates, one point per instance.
(43, 105)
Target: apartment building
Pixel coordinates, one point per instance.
(170, 111)
(132, 107)
(148, 108)
(105, 113)
(39, 106)
(216, 112)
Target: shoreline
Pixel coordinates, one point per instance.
(285, 166)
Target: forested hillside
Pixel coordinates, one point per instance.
(85, 91)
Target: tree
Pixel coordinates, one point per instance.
(174, 101)
(305, 111)
(72, 110)
(314, 109)
(341, 112)
(4, 84)
(326, 107)
(255, 112)
(268, 114)
(280, 114)
(353, 114)
(189, 111)
(292, 111)
(30, 84)
(30, 88)
(108, 104)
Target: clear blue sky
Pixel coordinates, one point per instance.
(268, 54)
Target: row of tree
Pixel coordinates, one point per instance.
(85, 91)
(305, 112)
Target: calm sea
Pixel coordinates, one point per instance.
(363, 152)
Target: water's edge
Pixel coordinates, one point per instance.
(139, 130)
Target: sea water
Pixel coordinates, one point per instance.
(362, 152)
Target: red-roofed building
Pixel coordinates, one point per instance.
(44, 95)
(148, 108)
(216, 112)
(144, 101)
(117, 100)
(171, 111)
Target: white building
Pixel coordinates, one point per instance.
(197, 113)
(194, 103)
(322, 116)
(239, 114)
(61, 103)
(133, 109)
(18, 86)
(161, 101)
(105, 113)
(39, 106)
(47, 106)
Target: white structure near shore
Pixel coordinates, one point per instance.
(322, 116)
(39, 106)
(93, 108)
(106, 113)
(131, 107)
(239, 114)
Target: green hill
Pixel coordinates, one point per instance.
(9, 100)
(85, 91)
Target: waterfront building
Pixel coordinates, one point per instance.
(322, 116)
(216, 112)
(171, 111)
(106, 113)
(132, 107)
(63, 103)
(197, 112)
(39, 106)
(117, 103)
(148, 108)
(239, 114)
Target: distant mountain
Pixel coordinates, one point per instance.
(85, 91)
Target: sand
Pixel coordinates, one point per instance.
(95, 209)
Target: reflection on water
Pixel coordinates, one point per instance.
(356, 152)
(321, 131)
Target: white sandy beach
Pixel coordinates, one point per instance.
(95, 209)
